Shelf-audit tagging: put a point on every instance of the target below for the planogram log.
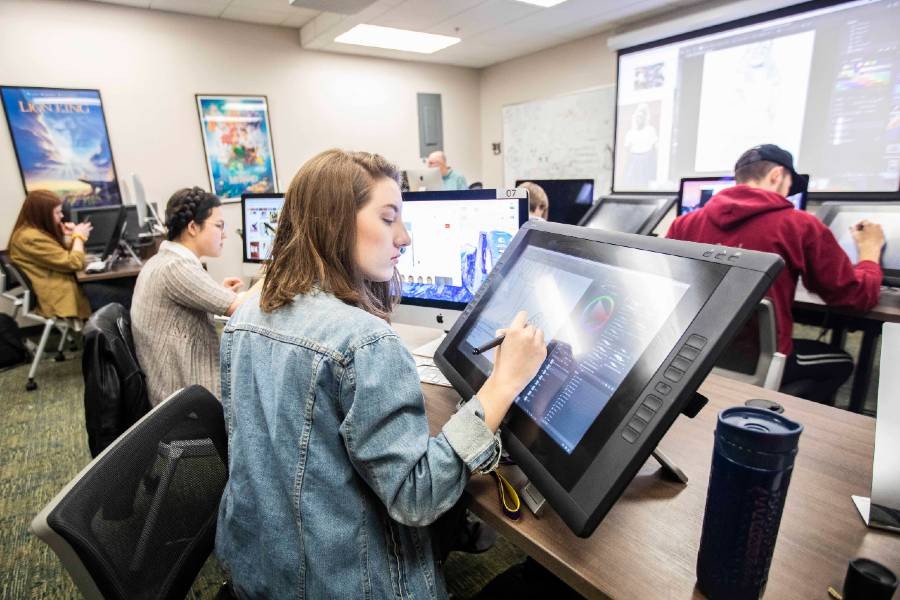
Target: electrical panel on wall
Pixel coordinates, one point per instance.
(431, 127)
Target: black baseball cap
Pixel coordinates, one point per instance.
(769, 152)
(779, 156)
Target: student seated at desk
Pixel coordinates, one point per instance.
(756, 215)
(50, 252)
(333, 477)
(538, 204)
(175, 299)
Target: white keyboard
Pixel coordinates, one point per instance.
(429, 373)
(98, 266)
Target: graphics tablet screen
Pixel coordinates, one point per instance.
(454, 245)
(620, 216)
(890, 223)
(598, 320)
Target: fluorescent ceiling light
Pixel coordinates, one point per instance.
(544, 3)
(396, 39)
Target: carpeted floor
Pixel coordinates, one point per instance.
(44, 445)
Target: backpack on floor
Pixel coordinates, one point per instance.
(12, 348)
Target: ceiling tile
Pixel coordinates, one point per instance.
(298, 17)
(207, 8)
(483, 17)
(253, 15)
(138, 3)
(420, 15)
(282, 6)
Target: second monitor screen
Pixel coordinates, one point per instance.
(260, 220)
(454, 246)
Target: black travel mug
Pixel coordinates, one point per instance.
(869, 580)
(753, 458)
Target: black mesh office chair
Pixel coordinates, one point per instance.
(139, 521)
(21, 294)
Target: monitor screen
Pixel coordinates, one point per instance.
(569, 198)
(628, 214)
(695, 192)
(840, 218)
(103, 219)
(633, 324)
(259, 218)
(456, 238)
(818, 79)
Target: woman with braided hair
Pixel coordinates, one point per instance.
(175, 299)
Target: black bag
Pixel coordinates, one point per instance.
(12, 348)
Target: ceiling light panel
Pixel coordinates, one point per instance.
(396, 39)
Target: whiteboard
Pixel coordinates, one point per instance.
(563, 137)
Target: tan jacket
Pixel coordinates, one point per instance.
(51, 269)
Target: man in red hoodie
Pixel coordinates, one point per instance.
(755, 214)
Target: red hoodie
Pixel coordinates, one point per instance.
(745, 217)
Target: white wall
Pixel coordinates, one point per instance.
(148, 65)
(570, 67)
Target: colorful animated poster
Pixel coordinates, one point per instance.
(238, 143)
(62, 143)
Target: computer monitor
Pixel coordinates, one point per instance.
(628, 214)
(456, 238)
(259, 218)
(633, 325)
(841, 216)
(423, 179)
(104, 220)
(569, 198)
(695, 192)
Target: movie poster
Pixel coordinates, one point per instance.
(237, 140)
(62, 144)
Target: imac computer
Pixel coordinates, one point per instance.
(628, 214)
(456, 238)
(104, 220)
(422, 179)
(695, 192)
(633, 325)
(569, 198)
(259, 218)
(840, 217)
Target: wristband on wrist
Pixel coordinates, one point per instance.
(79, 236)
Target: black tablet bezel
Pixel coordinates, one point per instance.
(574, 216)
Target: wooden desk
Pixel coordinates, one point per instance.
(811, 310)
(646, 547)
(121, 270)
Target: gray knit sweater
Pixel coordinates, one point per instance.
(172, 322)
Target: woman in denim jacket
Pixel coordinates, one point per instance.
(333, 477)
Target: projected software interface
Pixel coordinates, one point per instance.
(695, 193)
(597, 319)
(691, 107)
(260, 220)
(455, 244)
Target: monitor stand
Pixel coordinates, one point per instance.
(122, 251)
(668, 471)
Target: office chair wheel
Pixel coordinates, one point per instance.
(31, 385)
(60, 357)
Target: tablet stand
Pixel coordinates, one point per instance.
(122, 250)
(669, 471)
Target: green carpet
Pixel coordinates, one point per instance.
(44, 445)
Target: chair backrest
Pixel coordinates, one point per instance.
(139, 521)
(752, 356)
(115, 386)
(14, 278)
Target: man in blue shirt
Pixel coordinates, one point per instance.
(452, 180)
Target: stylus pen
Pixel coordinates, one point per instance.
(488, 345)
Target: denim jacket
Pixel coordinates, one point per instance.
(333, 477)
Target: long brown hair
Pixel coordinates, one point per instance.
(37, 212)
(316, 236)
